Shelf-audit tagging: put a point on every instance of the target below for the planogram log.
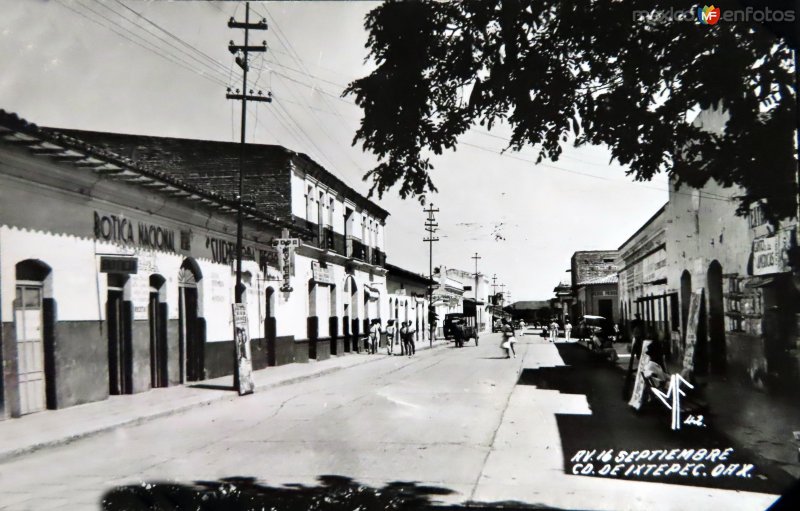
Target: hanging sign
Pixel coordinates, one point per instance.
(771, 253)
(241, 337)
(321, 275)
(112, 264)
(286, 248)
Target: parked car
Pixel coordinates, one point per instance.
(470, 332)
(588, 325)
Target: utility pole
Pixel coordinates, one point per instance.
(241, 53)
(475, 292)
(494, 284)
(431, 228)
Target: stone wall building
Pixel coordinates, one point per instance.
(594, 284)
(739, 269)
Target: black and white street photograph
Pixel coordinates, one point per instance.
(358, 255)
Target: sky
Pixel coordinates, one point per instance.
(161, 68)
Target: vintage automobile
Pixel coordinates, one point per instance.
(470, 332)
(588, 325)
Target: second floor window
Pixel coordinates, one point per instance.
(310, 205)
(330, 213)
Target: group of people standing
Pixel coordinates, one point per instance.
(404, 337)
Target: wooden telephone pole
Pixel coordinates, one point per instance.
(475, 293)
(431, 228)
(241, 52)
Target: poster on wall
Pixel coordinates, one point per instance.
(638, 396)
(692, 323)
(241, 337)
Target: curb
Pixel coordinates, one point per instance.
(135, 421)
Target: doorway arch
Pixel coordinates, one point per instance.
(686, 293)
(716, 318)
(157, 319)
(190, 325)
(34, 346)
(119, 315)
(270, 325)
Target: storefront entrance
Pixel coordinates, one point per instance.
(157, 317)
(118, 323)
(191, 340)
(28, 325)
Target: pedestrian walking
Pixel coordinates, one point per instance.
(553, 330)
(407, 338)
(412, 343)
(508, 339)
(458, 333)
(567, 330)
(391, 333)
(374, 336)
(402, 334)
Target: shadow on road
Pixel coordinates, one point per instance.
(209, 386)
(616, 426)
(336, 493)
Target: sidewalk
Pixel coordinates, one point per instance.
(56, 427)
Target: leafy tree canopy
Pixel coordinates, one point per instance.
(582, 70)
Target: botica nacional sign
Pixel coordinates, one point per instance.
(124, 230)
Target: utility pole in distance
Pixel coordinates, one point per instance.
(241, 52)
(430, 228)
(475, 293)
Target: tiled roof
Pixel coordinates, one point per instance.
(608, 279)
(67, 148)
(214, 165)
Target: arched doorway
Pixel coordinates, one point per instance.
(34, 318)
(157, 318)
(190, 326)
(119, 313)
(270, 325)
(716, 318)
(686, 294)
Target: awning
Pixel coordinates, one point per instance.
(371, 292)
(754, 282)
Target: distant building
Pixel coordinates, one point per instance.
(643, 279)
(594, 284)
(408, 299)
(532, 310)
(563, 301)
(476, 300)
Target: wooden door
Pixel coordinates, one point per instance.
(30, 347)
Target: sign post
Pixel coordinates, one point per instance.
(692, 324)
(241, 336)
(286, 248)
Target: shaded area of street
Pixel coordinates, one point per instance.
(614, 425)
(245, 493)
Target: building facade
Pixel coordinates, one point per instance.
(643, 280)
(125, 280)
(594, 284)
(408, 299)
(737, 269)
(476, 296)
